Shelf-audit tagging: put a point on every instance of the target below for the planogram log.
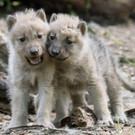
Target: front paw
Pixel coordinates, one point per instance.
(120, 118)
(7, 130)
(46, 124)
(12, 125)
(57, 124)
(105, 122)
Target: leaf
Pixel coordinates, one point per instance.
(9, 6)
(118, 42)
(16, 3)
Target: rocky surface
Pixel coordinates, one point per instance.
(80, 117)
(3, 47)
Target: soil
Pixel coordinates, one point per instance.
(120, 38)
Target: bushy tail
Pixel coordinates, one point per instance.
(125, 81)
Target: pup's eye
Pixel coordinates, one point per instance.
(22, 39)
(69, 42)
(52, 37)
(39, 36)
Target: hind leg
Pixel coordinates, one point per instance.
(113, 88)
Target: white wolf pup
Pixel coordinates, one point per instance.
(84, 63)
(29, 66)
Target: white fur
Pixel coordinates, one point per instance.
(23, 77)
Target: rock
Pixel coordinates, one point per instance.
(4, 104)
(81, 117)
(3, 45)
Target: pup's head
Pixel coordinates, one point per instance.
(65, 39)
(28, 33)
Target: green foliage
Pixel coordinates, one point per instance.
(8, 7)
(88, 5)
(130, 61)
(16, 3)
(8, 4)
(72, 12)
(118, 124)
(90, 30)
(1, 3)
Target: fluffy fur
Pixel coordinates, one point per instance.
(29, 66)
(84, 63)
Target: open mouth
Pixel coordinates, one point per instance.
(35, 60)
(60, 59)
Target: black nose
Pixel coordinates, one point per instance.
(34, 51)
(55, 52)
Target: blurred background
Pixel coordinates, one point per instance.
(113, 10)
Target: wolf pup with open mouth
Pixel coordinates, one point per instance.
(29, 66)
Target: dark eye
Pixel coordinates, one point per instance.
(69, 42)
(22, 39)
(39, 36)
(52, 37)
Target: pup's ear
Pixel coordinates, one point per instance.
(41, 14)
(83, 27)
(53, 17)
(11, 20)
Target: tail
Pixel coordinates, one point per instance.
(125, 81)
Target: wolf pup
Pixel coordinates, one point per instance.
(84, 63)
(29, 66)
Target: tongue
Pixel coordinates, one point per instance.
(35, 60)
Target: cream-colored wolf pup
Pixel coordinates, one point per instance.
(29, 66)
(84, 63)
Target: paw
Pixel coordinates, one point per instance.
(57, 124)
(120, 118)
(7, 130)
(12, 124)
(46, 124)
(106, 122)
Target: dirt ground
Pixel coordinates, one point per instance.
(120, 39)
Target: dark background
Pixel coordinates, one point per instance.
(113, 10)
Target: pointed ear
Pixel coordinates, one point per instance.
(53, 17)
(11, 20)
(41, 14)
(83, 27)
